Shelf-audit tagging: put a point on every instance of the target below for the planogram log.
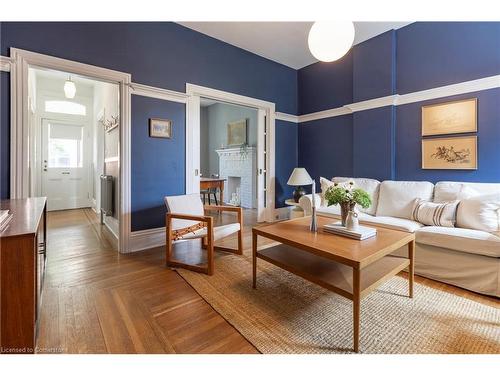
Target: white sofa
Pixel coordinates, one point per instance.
(466, 256)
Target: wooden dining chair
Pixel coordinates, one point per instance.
(187, 219)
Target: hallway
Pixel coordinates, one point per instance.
(96, 300)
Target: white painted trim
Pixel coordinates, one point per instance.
(413, 97)
(5, 63)
(287, 117)
(21, 61)
(325, 114)
(192, 126)
(158, 93)
(372, 103)
(282, 213)
(111, 159)
(147, 239)
(465, 87)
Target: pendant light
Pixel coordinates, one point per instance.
(329, 41)
(69, 88)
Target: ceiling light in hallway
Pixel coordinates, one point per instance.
(69, 88)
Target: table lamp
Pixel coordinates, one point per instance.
(299, 178)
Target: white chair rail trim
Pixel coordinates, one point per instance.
(465, 87)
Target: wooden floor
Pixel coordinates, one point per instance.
(96, 300)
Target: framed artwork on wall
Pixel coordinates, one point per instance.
(160, 128)
(237, 133)
(450, 118)
(449, 153)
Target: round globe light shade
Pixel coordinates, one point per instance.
(329, 41)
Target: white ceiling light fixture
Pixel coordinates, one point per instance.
(69, 88)
(330, 40)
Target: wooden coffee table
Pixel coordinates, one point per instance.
(345, 266)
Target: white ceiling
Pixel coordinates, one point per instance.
(283, 42)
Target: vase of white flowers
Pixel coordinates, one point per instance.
(347, 196)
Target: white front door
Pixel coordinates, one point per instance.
(65, 167)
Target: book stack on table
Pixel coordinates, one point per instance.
(5, 218)
(361, 233)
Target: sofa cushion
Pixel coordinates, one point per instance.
(396, 197)
(369, 185)
(452, 191)
(395, 223)
(432, 213)
(460, 239)
(482, 188)
(481, 213)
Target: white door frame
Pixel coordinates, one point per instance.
(21, 60)
(196, 92)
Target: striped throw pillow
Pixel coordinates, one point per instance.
(436, 214)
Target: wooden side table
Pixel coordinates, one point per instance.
(297, 211)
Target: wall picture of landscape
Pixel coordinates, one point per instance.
(450, 118)
(449, 153)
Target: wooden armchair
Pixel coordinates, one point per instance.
(187, 220)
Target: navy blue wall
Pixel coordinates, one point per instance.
(286, 159)
(385, 143)
(431, 54)
(374, 67)
(325, 147)
(374, 143)
(158, 164)
(325, 85)
(161, 54)
(4, 135)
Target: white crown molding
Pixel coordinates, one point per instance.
(287, 117)
(325, 114)
(5, 63)
(158, 93)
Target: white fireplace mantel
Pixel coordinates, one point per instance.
(236, 162)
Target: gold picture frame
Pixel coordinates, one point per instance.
(450, 153)
(237, 133)
(454, 117)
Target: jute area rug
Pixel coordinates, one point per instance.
(287, 314)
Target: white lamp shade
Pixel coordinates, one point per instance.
(329, 41)
(299, 177)
(69, 89)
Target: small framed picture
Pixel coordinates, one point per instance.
(237, 133)
(160, 128)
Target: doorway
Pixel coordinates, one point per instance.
(261, 155)
(228, 154)
(75, 140)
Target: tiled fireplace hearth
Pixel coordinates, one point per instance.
(238, 167)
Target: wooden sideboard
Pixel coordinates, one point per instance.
(22, 264)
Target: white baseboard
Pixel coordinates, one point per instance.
(147, 239)
(282, 213)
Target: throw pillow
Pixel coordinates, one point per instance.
(481, 213)
(325, 184)
(436, 214)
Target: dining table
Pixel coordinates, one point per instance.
(212, 182)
